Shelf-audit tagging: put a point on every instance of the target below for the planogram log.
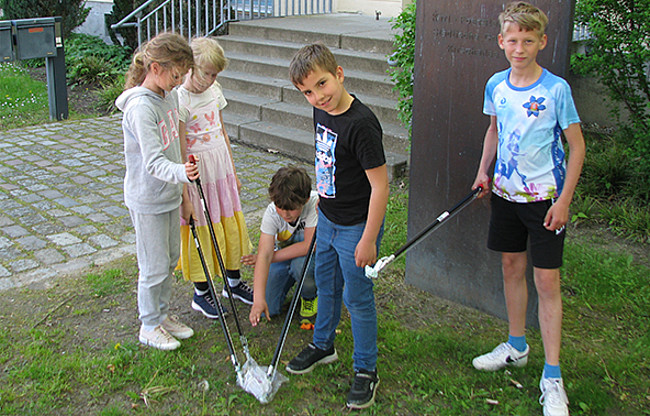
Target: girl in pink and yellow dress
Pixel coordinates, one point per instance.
(203, 135)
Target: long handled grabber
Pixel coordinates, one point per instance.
(373, 271)
(250, 369)
(263, 385)
(213, 293)
(222, 267)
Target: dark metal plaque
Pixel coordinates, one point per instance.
(456, 53)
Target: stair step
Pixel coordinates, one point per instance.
(352, 31)
(265, 109)
(294, 142)
(240, 79)
(262, 86)
(283, 51)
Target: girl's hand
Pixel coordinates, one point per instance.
(238, 184)
(187, 210)
(249, 259)
(192, 171)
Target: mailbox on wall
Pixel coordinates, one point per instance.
(35, 38)
(6, 42)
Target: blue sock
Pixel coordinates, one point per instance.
(552, 371)
(519, 343)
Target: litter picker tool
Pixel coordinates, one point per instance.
(250, 369)
(373, 271)
(222, 267)
(213, 292)
(264, 384)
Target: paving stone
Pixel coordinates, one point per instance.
(103, 241)
(116, 211)
(63, 239)
(86, 230)
(22, 265)
(78, 250)
(15, 231)
(31, 242)
(66, 202)
(49, 256)
(4, 272)
(4, 243)
(72, 221)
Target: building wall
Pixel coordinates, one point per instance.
(388, 8)
(95, 24)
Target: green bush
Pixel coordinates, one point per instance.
(89, 59)
(109, 92)
(402, 62)
(617, 53)
(72, 12)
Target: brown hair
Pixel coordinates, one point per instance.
(308, 58)
(525, 15)
(290, 188)
(167, 49)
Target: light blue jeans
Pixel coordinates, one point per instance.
(158, 245)
(340, 280)
(282, 276)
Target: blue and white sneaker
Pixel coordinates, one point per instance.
(502, 356)
(207, 306)
(242, 292)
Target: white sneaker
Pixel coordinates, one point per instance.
(502, 356)
(158, 338)
(553, 398)
(176, 328)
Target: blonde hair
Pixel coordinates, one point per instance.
(167, 49)
(308, 58)
(525, 15)
(208, 51)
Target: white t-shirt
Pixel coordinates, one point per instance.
(273, 224)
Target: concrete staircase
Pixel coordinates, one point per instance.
(265, 110)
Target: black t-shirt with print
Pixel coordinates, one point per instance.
(347, 145)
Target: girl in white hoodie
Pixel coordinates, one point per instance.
(154, 179)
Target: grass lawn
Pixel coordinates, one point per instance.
(71, 348)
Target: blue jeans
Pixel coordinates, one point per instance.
(340, 280)
(282, 276)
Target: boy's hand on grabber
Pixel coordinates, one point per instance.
(483, 181)
(556, 217)
(249, 259)
(365, 254)
(257, 310)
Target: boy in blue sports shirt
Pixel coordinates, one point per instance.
(352, 183)
(529, 109)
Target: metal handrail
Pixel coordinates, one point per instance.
(229, 11)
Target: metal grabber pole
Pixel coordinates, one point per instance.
(373, 271)
(222, 319)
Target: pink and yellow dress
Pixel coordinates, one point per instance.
(206, 140)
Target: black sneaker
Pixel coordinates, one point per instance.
(206, 305)
(242, 292)
(309, 357)
(363, 389)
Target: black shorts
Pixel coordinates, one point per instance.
(511, 224)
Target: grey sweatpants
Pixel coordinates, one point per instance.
(158, 242)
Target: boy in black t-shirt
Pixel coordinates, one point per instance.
(352, 183)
